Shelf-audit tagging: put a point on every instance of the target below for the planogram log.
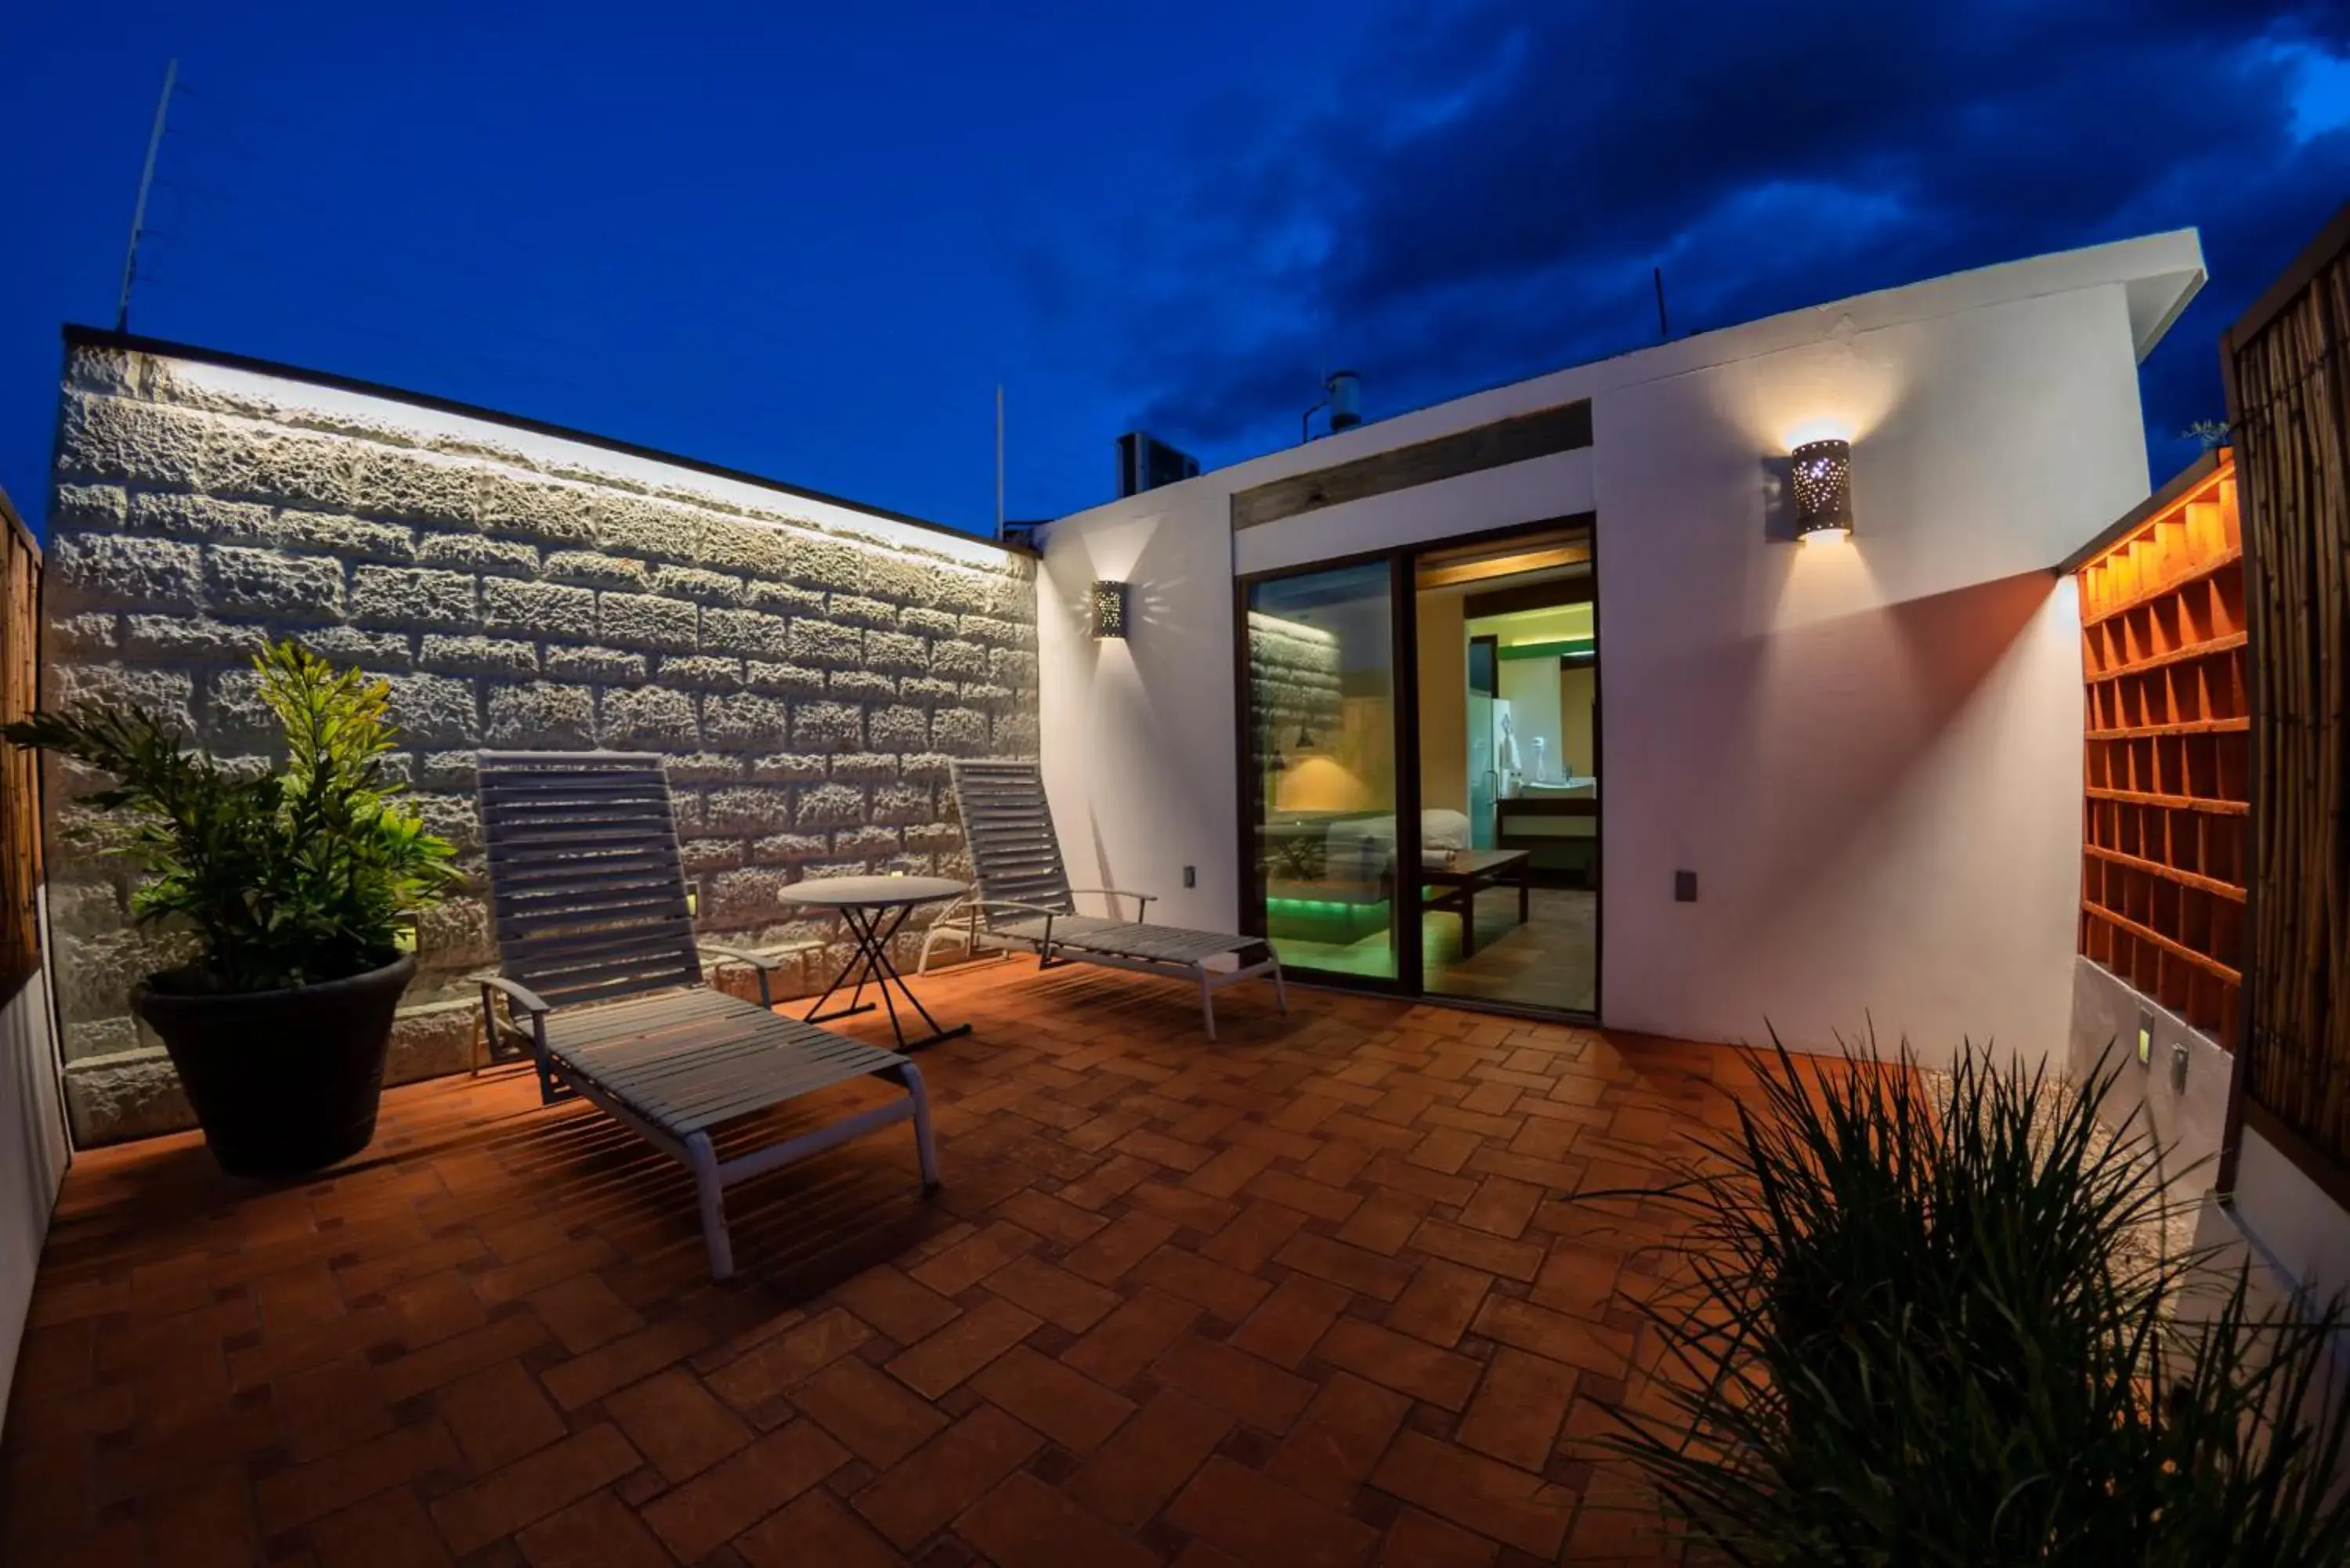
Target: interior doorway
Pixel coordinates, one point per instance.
(1508, 707)
(1420, 751)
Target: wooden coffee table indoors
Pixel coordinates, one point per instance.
(1469, 873)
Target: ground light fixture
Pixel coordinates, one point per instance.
(1822, 478)
(1109, 609)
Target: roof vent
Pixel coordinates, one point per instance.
(1346, 389)
(1146, 462)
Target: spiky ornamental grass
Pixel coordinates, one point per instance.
(1926, 1328)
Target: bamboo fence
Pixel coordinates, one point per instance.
(2288, 396)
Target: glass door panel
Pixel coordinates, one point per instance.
(1320, 733)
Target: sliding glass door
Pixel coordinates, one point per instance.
(1420, 761)
(1319, 743)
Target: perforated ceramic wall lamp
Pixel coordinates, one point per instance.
(1109, 609)
(1821, 477)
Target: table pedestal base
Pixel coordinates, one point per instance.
(871, 965)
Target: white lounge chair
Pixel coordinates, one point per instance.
(1024, 900)
(597, 957)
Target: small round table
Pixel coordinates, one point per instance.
(873, 908)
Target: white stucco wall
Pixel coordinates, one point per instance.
(2299, 1229)
(33, 1155)
(1870, 757)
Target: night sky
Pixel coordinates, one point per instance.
(810, 240)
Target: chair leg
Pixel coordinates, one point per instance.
(1279, 987)
(944, 929)
(1207, 1004)
(925, 1148)
(713, 1206)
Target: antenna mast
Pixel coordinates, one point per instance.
(139, 212)
(999, 462)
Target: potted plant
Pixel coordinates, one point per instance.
(296, 886)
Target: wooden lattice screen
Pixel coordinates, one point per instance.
(20, 778)
(2289, 409)
(2166, 723)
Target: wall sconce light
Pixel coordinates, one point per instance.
(1821, 474)
(1109, 609)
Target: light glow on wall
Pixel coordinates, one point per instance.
(1825, 426)
(1528, 628)
(1318, 783)
(551, 456)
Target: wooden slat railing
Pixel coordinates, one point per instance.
(20, 777)
(2165, 747)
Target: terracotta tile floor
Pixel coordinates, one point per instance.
(1313, 1295)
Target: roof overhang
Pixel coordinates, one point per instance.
(2159, 275)
(2157, 299)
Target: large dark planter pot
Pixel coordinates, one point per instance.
(283, 1082)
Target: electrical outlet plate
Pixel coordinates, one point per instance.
(2146, 1039)
(1191, 876)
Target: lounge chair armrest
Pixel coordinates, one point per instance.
(739, 955)
(521, 995)
(1142, 901)
(522, 999)
(761, 965)
(977, 906)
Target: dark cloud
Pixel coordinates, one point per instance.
(1483, 199)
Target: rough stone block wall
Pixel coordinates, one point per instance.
(1295, 675)
(807, 671)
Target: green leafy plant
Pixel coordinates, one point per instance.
(287, 879)
(1924, 1325)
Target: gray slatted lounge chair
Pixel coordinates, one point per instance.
(602, 977)
(1025, 901)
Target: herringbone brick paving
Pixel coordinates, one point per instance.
(1317, 1294)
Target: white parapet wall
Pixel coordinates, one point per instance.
(808, 667)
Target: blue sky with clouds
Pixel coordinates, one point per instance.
(810, 241)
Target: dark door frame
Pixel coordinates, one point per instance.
(1404, 631)
(1496, 665)
(1410, 980)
